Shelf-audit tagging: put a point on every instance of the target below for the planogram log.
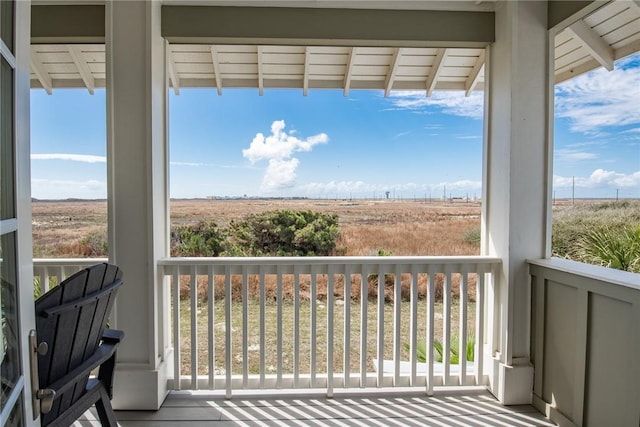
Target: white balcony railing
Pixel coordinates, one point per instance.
(284, 323)
(291, 323)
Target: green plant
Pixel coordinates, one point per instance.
(454, 358)
(201, 239)
(472, 236)
(614, 247)
(286, 233)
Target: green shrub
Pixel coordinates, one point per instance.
(472, 236)
(614, 247)
(201, 239)
(454, 357)
(285, 233)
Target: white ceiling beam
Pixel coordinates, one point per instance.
(436, 69)
(591, 41)
(216, 69)
(173, 75)
(473, 79)
(305, 79)
(83, 68)
(38, 69)
(347, 73)
(393, 67)
(260, 72)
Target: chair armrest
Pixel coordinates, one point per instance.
(112, 336)
(103, 353)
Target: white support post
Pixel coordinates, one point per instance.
(137, 191)
(516, 179)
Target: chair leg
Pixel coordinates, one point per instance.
(105, 411)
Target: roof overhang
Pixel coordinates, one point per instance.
(327, 44)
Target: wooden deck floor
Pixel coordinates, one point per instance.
(477, 408)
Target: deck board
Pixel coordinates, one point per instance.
(477, 408)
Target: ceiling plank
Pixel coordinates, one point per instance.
(38, 69)
(593, 43)
(393, 68)
(305, 80)
(347, 75)
(474, 77)
(216, 68)
(83, 68)
(436, 69)
(260, 73)
(175, 79)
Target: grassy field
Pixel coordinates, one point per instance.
(399, 227)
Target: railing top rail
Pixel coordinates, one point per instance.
(603, 274)
(58, 262)
(331, 260)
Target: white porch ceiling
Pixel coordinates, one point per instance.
(609, 33)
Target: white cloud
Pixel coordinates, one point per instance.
(281, 173)
(278, 148)
(600, 178)
(65, 189)
(453, 103)
(410, 189)
(86, 158)
(600, 99)
(569, 155)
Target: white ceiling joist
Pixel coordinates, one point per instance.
(436, 69)
(349, 70)
(393, 68)
(260, 72)
(473, 79)
(216, 69)
(38, 69)
(305, 79)
(175, 80)
(83, 68)
(596, 46)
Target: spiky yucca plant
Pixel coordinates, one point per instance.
(612, 247)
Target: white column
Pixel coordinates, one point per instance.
(137, 175)
(517, 161)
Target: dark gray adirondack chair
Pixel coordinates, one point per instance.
(71, 320)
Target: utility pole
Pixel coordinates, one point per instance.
(617, 189)
(573, 191)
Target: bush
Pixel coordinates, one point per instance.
(472, 236)
(614, 247)
(285, 233)
(202, 239)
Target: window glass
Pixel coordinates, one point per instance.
(9, 338)
(7, 180)
(6, 22)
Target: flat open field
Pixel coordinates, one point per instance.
(399, 227)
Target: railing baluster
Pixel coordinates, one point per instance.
(245, 327)
(193, 282)
(279, 327)
(263, 326)
(446, 325)
(346, 368)
(478, 351)
(462, 341)
(176, 327)
(431, 277)
(330, 326)
(380, 351)
(296, 326)
(227, 322)
(211, 325)
(364, 300)
(313, 326)
(413, 331)
(397, 335)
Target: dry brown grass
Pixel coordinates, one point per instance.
(366, 226)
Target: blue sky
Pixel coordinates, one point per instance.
(328, 145)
